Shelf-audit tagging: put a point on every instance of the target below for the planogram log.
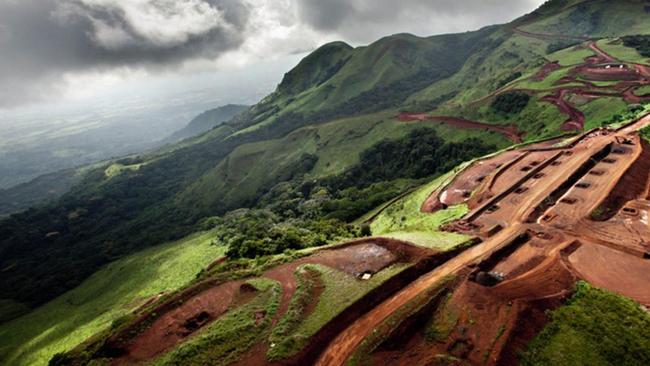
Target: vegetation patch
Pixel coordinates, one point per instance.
(10, 310)
(443, 322)
(388, 327)
(284, 342)
(340, 290)
(560, 45)
(644, 90)
(108, 295)
(595, 327)
(508, 79)
(419, 154)
(571, 56)
(257, 233)
(116, 169)
(641, 43)
(510, 103)
(604, 111)
(404, 216)
(645, 133)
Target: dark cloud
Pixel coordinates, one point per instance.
(326, 15)
(40, 40)
(364, 20)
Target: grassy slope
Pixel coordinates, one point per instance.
(110, 293)
(403, 219)
(571, 56)
(207, 121)
(601, 110)
(594, 328)
(338, 144)
(599, 18)
(483, 71)
(548, 83)
(644, 90)
(619, 51)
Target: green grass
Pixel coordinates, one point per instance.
(645, 133)
(404, 217)
(116, 169)
(483, 72)
(254, 167)
(549, 81)
(629, 116)
(340, 291)
(613, 19)
(605, 83)
(571, 56)
(644, 90)
(283, 341)
(110, 293)
(600, 111)
(617, 50)
(443, 322)
(594, 328)
(437, 240)
(226, 339)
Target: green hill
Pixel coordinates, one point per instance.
(207, 121)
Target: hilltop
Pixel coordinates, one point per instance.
(474, 180)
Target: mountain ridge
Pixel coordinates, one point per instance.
(206, 121)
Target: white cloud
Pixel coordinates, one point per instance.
(164, 22)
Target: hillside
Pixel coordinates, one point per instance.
(36, 192)
(207, 121)
(473, 180)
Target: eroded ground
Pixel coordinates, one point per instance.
(540, 216)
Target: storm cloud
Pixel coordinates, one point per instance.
(44, 41)
(361, 19)
(41, 40)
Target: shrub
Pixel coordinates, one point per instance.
(639, 42)
(510, 103)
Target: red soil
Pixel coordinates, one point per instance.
(576, 119)
(172, 327)
(358, 259)
(627, 232)
(488, 318)
(466, 182)
(545, 70)
(602, 56)
(633, 185)
(611, 269)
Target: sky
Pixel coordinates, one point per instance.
(63, 52)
